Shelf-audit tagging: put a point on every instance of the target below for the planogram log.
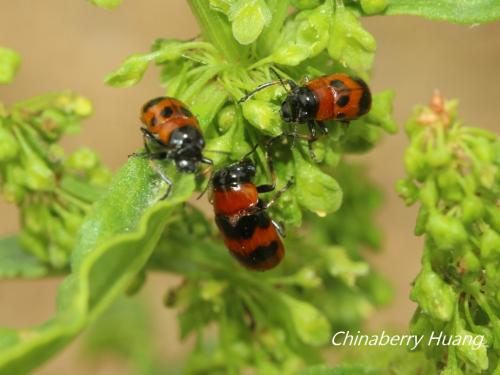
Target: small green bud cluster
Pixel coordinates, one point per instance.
(454, 172)
(53, 191)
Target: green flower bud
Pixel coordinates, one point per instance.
(415, 163)
(226, 118)
(307, 277)
(374, 6)
(263, 115)
(448, 182)
(9, 63)
(472, 209)
(407, 190)
(82, 106)
(35, 218)
(350, 44)
(438, 157)
(13, 193)
(486, 175)
(434, 296)
(447, 232)
(420, 324)
(493, 216)
(58, 256)
(428, 194)
(10, 148)
(212, 289)
(422, 219)
(38, 176)
(490, 244)
(59, 235)
(100, 176)
(83, 159)
(475, 354)
(51, 124)
(483, 150)
(470, 264)
(55, 153)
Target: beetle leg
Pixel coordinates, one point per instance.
(165, 179)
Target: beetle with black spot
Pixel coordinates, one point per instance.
(333, 97)
(172, 132)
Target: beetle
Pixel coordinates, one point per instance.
(336, 96)
(172, 132)
(250, 234)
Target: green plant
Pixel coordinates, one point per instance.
(324, 282)
(453, 171)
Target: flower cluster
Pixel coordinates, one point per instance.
(454, 173)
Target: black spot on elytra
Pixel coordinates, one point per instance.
(259, 255)
(245, 226)
(186, 112)
(338, 84)
(153, 121)
(167, 111)
(342, 101)
(152, 102)
(365, 102)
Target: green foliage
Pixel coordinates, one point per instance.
(9, 63)
(454, 172)
(53, 191)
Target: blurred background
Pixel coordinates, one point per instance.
(73, 45)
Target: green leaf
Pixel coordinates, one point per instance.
(222, 6)
(106, 4)
(15, 262)
(339, 370)
(303, 37)
(131, 71)
(314, 189)
(263, 115)
(9, 63)
(350, 44)
(341, 266)
(115, 243)
(311, 325)
(248, 19)
(457, 11)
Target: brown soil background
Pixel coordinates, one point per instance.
(71, 44)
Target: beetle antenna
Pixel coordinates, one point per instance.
(257, 89)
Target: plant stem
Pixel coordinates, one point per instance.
(216, 30)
